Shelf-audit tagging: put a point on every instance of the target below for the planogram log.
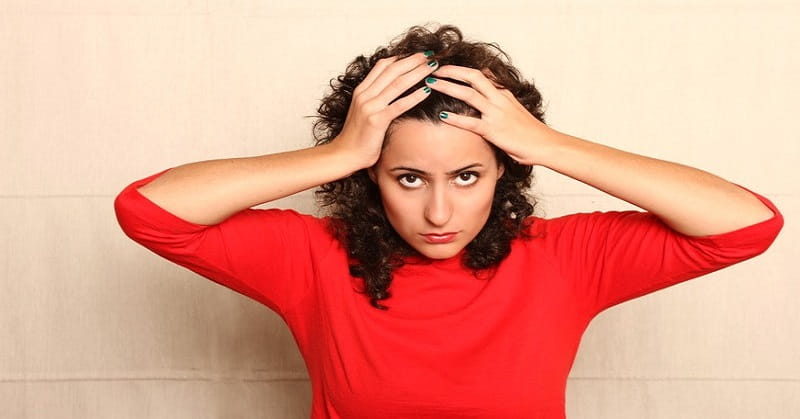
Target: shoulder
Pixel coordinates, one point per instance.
(539, 227)
(585, 223)
(296, 230)
(542, 224)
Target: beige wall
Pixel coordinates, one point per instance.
(95, 94)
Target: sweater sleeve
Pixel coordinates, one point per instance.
(615, 256)
(264, 254)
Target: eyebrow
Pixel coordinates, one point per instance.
(452, 172)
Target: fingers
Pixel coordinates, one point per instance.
(402, 83)
(391, 68)
(376, 71)
(480, 92)
(407, 102)
(396, 76)
(475, 125)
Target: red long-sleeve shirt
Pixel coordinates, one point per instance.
(451, 345)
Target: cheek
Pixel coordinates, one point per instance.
(481, 204)
(392, 199)
(481, 199)
(397, 205)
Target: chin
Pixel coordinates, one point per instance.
(439, 251)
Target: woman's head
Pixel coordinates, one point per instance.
(379, 213)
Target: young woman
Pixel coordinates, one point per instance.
(429, 289)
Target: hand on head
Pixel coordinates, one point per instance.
(373, 106)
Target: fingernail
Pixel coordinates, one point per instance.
(430, 80)
(426, 89)
(428, 53)
(432, 63)
(443, 115)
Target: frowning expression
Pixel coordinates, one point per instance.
(433, 179)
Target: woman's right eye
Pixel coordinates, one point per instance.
(408, 180)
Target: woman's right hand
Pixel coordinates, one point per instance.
(370, 113)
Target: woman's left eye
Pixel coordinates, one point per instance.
(468, 178)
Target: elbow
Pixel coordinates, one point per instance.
(122, 212)
(762, 212)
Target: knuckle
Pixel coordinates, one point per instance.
(368, 107)
(397, 83)
(358, 99)
(375, 119)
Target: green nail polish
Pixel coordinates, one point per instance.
(432, 63)
(426, 89)
(430, 80)
(428, 53)
(443, 115)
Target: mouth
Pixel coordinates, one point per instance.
(440, 238)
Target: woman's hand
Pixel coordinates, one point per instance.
(504, 121)
(370, 112)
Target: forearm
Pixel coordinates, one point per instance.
(689, 200)
(208, 192)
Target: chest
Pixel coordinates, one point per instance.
(503, 343)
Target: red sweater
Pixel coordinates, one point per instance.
(451, 345)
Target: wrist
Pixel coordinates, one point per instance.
(352, 160)
(549, 146)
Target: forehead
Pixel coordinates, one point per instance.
(424, 145)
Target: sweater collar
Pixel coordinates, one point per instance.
(453, 262)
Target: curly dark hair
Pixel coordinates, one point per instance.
(358, 219)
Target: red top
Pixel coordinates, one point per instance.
(450, 345)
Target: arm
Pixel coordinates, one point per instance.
(198, 216)
(208, 192)
(264, 254)
(614, 256)
(690, 201)
(696, 223)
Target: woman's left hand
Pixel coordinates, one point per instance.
(504, 121)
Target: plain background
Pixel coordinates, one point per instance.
(95, 94)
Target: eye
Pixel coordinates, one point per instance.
(468, 178)
(410, 180)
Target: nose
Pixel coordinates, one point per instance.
(438, 208)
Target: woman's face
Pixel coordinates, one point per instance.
(436, 179)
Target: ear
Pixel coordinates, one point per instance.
(501, 168)
(371, 173)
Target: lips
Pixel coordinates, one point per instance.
(438, 238)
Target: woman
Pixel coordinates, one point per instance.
(424, 159)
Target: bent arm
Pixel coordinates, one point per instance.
(690, 201)
(209, 192)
